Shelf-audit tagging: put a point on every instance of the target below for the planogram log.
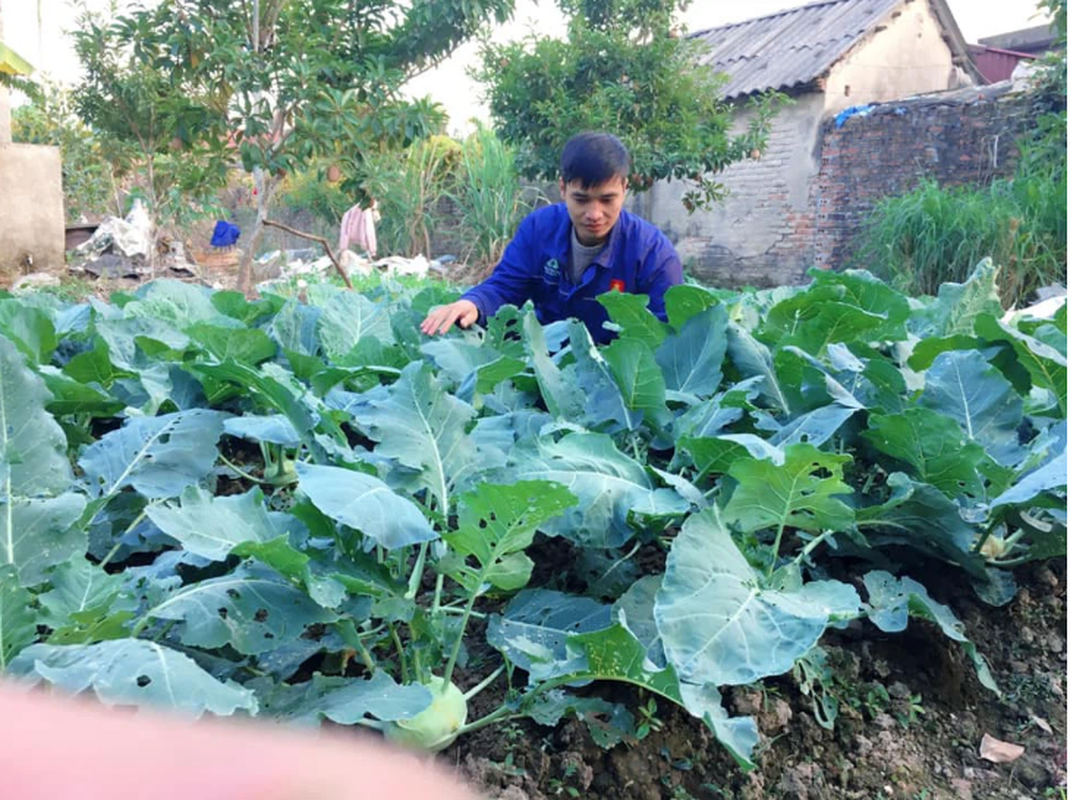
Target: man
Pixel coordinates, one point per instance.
(563, 256)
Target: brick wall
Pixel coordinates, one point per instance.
(962, 137)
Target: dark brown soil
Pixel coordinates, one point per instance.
(879, 747)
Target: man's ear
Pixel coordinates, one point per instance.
(561, 187)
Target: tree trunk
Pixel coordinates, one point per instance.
(265, 187)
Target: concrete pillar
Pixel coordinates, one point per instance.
(31, 209)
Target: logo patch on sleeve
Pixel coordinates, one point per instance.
(616, 286)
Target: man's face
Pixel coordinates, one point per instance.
(594, 210)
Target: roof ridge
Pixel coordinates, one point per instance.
(781, 13)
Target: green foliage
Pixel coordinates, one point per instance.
(87, 158)
(934, 234)
(391, 488)
(623, 69)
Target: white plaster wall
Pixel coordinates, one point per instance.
(907, 56)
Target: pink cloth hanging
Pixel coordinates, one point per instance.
(358, 228)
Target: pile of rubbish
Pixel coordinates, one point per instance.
(283, 266)
(121, 248)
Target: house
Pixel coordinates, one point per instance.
(997, 56)
(827, 57)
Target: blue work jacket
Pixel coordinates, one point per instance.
(638, 259)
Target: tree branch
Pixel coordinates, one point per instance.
(268, 223)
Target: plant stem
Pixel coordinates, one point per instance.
(457, 644)
(500, 714)
(455, 610)
(811, 546)
(621, 560)
(776, 549)
(439, 580)
(241, 473)
(483, 684)
(417, 572)
(130, 527)
(401, 653)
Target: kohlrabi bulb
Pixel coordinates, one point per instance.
(435, 727)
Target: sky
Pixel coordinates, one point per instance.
(47, 47)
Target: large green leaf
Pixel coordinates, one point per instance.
(610, 487)
(605, 402)
(1045, 469)
(893, 600)
(254, 611)
(73, 397)
(861, 289)
(365, 503)
(719, 625)
(157, 456)
(820, 316)
(211, 526)
(685, 301)
(350, 320)
(133, 672)
(346, 701)
(177, 304)
(957, 306)
(78, 586)
(534, 627)
(33, 449)
(614, 654)
(1046, 365)
(632, 314)
(422, 428)
(40, 532)
(965, 387)
(30, 329)
(246, 346)
(638, 375)
(933, 445)
(692, 358)
(753, 359)
(919, 515)
(495, 525)
(792, 494)
(562, 399)
(18, 622)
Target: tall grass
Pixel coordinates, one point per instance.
(938, 234)
(489, 196)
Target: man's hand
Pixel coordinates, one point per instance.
(441, 319)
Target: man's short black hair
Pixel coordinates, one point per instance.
(593, 158)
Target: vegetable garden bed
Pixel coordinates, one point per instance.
(307, 511)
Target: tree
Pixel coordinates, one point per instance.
(283, 82)
(158, 131)
(624, 69)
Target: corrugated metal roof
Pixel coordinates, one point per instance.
(790, 47)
